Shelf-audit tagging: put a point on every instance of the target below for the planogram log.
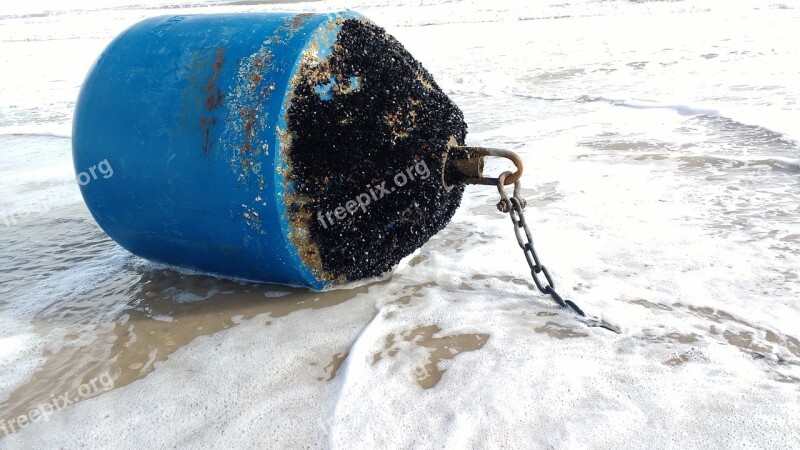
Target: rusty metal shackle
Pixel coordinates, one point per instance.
(472, 166)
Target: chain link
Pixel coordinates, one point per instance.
(514, 206)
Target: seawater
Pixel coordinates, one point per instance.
(662, 162)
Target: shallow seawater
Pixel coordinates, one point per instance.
(662, 164)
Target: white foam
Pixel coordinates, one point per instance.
(697, 264)
(777, 121)
(189, 297)
(20, 346)
(684, 110)
(520, 389)
(272, 398)
(48, 129)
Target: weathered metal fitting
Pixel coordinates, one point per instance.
(465, 165)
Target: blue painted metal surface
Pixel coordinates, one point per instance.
(189, 112)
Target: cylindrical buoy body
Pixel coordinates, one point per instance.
(218, 142)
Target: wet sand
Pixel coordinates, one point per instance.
(152, 326)
(672, 218)
(168, 310)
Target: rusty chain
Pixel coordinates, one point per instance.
(514, 206)
(469, 167)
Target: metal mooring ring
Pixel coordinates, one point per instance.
(482, 152)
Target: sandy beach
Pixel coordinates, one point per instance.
(662, 158)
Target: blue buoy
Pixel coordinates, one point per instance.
(246, 146)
